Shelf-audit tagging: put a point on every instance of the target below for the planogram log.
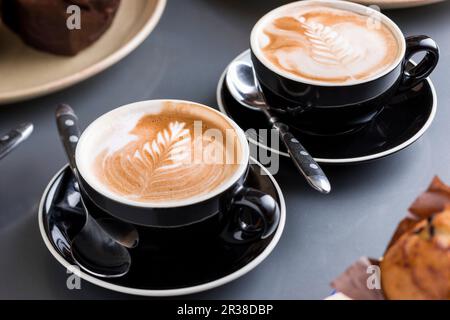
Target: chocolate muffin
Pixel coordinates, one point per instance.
(43, 24)
(417, 265)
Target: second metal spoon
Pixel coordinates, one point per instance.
(243, 86)
(12, 139)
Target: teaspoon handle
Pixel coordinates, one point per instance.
(13, 138)
(69, 132)
(303, 160)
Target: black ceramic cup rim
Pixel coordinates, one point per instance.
(345, 5)
(146, 107)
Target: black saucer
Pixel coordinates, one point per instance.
(156, 271)
(400, 124)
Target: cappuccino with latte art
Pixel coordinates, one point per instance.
(329, 67)
(173, 151)
(326, 44)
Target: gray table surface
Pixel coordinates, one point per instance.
(183, 58)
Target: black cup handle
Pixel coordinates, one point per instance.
(254, 215)
(423, 69)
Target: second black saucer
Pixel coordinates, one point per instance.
(399, 125)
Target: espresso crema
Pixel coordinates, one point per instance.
(326, 44)
(175, 154)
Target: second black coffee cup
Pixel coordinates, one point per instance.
(329, 67)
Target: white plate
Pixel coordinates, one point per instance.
(27, 73)
(397, 4)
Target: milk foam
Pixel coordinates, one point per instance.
(148, 156)
(322, 43)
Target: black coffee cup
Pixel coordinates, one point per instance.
(328, 109)
(242, 213)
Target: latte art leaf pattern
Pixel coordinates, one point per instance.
(160, 163)
(328, 46)
(168, 151)
(140, 166)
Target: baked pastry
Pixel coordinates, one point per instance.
(417, 265)
(43, 24)
(432, 201)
